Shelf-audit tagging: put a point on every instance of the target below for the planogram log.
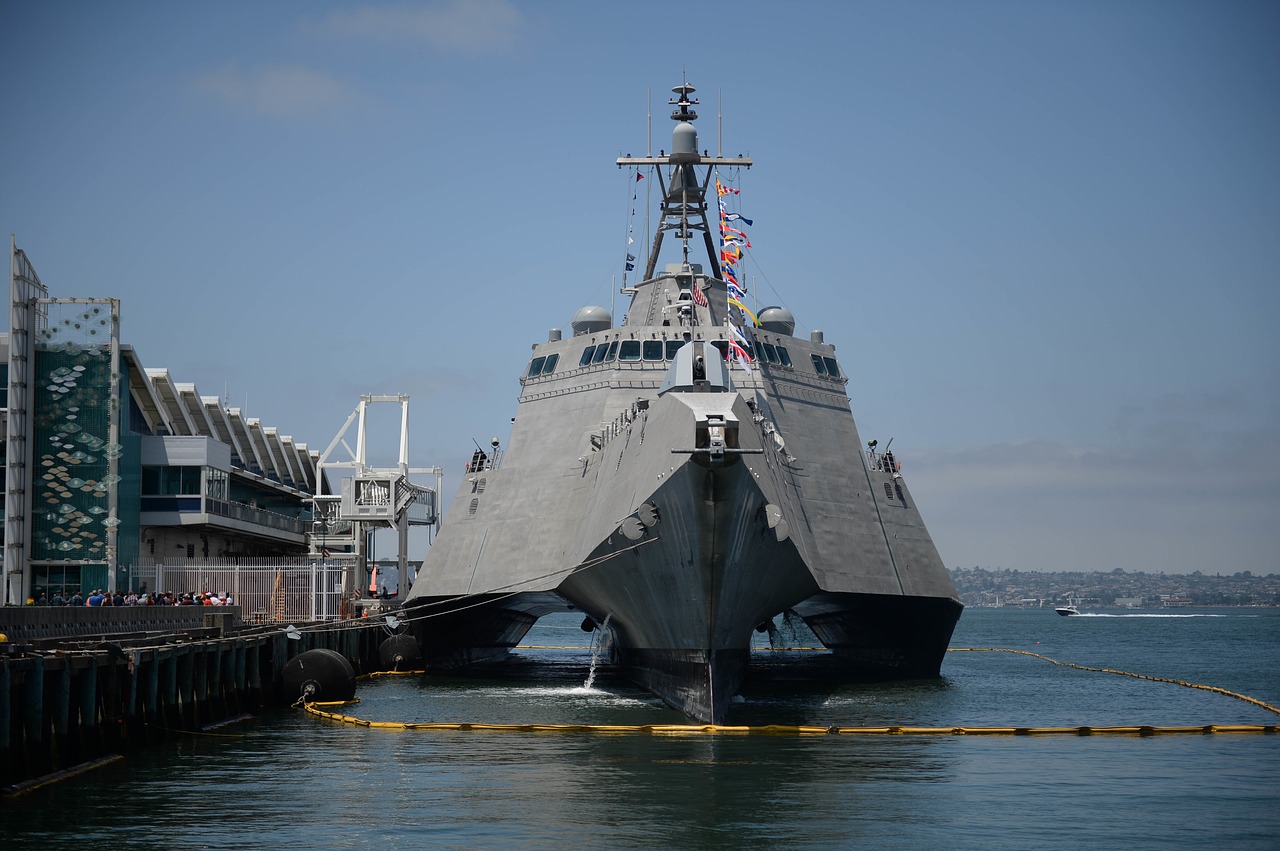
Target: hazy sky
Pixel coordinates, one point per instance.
(1044, 236)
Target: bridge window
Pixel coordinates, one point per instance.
(784, 356)
(819, 365)
(770, 353)
(672, 347)
(629, 351)
(613, 351)
(535, 366)
(601, 351)
(723, 346)
(653, 350)
(833, 368)
(550, 365)
(586, 355)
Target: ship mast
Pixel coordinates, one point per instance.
(684, 193)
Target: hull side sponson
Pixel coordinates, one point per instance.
(883, 636)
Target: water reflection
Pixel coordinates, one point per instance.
(293, 779)
(684, 790)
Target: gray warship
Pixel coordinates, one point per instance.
(682, 479)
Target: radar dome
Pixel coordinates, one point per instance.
(684, 139)
(779, 320)
(589, 320)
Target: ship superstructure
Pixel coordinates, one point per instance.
(682, 480)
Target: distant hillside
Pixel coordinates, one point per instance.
(980, 586)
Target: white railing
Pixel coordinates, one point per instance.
(267, 590)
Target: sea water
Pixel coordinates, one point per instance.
(289, 779)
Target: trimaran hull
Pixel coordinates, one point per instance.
(680, 503)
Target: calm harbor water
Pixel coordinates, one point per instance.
(289, 779)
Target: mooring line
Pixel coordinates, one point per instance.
(19, 789)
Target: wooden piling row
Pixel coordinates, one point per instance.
(65, 707)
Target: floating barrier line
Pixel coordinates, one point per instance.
(784, 729)
(1214, 689)
(317, 709)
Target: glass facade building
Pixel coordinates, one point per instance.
(110, 466)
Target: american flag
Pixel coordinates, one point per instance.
(698, 297)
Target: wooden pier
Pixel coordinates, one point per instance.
(79, 684)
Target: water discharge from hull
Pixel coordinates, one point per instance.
(598, 643)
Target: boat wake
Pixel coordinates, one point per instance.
(1148, 615)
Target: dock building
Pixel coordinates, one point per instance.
(112, 468)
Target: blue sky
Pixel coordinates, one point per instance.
(1045, 237)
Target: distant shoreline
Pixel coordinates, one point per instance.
(1117, 589)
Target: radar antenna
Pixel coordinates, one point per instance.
(683, 190)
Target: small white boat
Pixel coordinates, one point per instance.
(1067, 610)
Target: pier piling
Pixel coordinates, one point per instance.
(70, 695)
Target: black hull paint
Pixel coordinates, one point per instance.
(699, 684)
(883, 636)
(871, 637)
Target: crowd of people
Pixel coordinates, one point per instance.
(99, 597)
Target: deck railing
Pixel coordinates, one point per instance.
(266, 590)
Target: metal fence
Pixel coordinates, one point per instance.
(267, 590)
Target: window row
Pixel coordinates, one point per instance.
(542, 365)
(769, 353)
(630, 351)
(826, 366)
(778, 355)
(653, 351)
(173, 481)
(622, 350)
